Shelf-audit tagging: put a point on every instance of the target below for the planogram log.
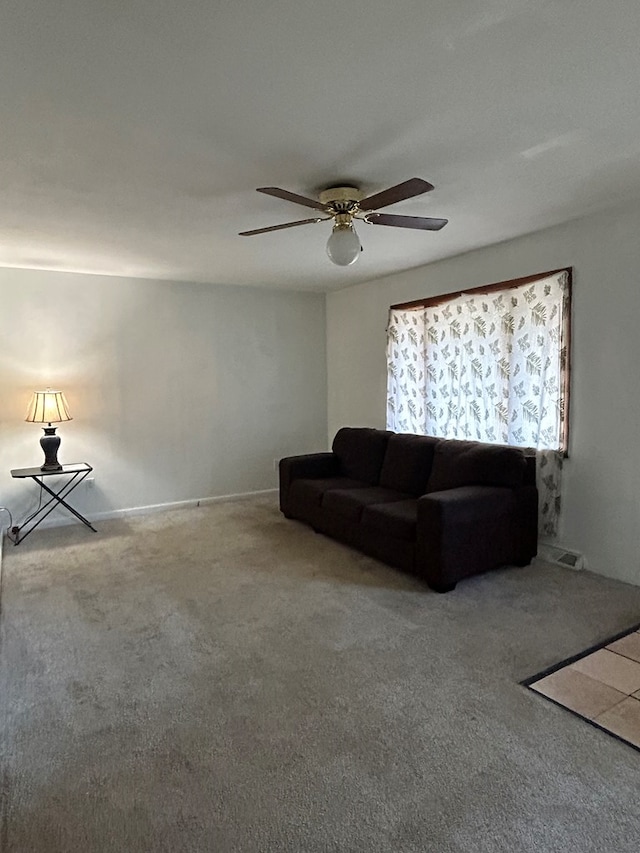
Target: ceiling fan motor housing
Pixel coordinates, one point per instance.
(341, 200)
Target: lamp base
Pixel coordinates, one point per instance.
(50, 442)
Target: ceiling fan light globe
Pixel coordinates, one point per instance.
(343, 245)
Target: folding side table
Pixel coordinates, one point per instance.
(74, 475)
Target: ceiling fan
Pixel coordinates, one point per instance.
(344, 204)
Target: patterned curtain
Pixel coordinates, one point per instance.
(488, 367)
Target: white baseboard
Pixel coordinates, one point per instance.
(164, 507)
(55, 520)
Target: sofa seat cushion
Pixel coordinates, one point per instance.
(350, 503)
(469, 463)
(396, 520)
(309, 493)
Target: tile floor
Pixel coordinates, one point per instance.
(602, 685)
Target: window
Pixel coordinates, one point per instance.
(490, 364)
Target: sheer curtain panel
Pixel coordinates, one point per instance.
(488, 366)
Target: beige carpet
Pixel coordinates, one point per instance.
(221, 679)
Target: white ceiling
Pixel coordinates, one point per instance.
(134, 132)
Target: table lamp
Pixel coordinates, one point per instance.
(48, 407)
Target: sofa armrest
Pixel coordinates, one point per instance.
(465, 531)
(465, 504)
(310, 466)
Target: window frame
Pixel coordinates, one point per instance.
(509, 284)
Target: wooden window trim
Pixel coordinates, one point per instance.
(508, 285)
(484, 288)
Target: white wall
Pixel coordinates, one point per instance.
(601, 514)
(178, 391)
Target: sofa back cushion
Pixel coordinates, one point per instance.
(468, 463)
(361, 451)
(407, 463)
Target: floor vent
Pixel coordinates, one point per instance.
(562, 557)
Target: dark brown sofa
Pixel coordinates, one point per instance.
(441, 509)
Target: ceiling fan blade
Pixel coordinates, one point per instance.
(284, 225)
(294, 197)
(407, 189)
(423, 223)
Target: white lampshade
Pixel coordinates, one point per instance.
(48, 407)
(343, 246)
